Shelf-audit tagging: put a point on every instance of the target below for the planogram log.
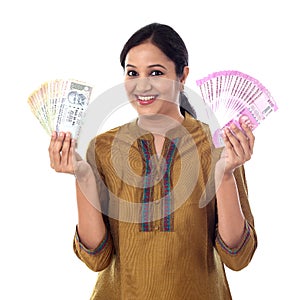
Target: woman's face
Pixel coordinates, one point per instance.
(151, 82)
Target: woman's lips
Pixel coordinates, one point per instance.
(146, 100)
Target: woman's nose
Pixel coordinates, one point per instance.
(143, 84)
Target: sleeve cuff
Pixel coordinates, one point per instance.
(95, 251)
(244, 239)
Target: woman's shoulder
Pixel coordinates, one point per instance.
(107, 137)
(196, 123)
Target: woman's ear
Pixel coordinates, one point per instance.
(185, 74)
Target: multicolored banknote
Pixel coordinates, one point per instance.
(233, 97)
(60, 105)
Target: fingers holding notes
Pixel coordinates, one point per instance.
(61, 151)
(239, 144)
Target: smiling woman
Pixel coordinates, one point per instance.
(156, 55)
(153, 88)
(140, 221)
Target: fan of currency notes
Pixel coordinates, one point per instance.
(232, 96)
(60, 105)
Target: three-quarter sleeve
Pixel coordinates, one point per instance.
(239, 257)
(96, 259)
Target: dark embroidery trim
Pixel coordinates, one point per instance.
(167, 223)
(146, 224)
(168, 220)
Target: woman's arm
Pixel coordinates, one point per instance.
(91, 227)
(231, 220)
(63, 158)
(238, 149)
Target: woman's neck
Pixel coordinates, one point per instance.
(159, 123)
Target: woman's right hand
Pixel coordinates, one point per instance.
(64, 158)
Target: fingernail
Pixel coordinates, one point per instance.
(247, 125)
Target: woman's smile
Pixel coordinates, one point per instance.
(145, 100)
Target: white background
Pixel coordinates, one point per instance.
(43, 40)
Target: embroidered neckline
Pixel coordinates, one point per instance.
(167, 222)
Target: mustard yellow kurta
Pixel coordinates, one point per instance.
(162, 240)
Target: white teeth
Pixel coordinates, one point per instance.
(145, 98)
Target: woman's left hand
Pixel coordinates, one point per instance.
(238, 147)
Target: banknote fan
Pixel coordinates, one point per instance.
(233, 96)
(60, 105)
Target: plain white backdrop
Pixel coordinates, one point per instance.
(44, 40)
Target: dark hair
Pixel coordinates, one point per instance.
(171, 44)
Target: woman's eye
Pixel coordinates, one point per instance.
(131, 73)
(156, 73)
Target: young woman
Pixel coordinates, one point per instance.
(160, 211)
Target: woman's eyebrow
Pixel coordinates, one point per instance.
(157, 65)
(150, 66)
(131, 66)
